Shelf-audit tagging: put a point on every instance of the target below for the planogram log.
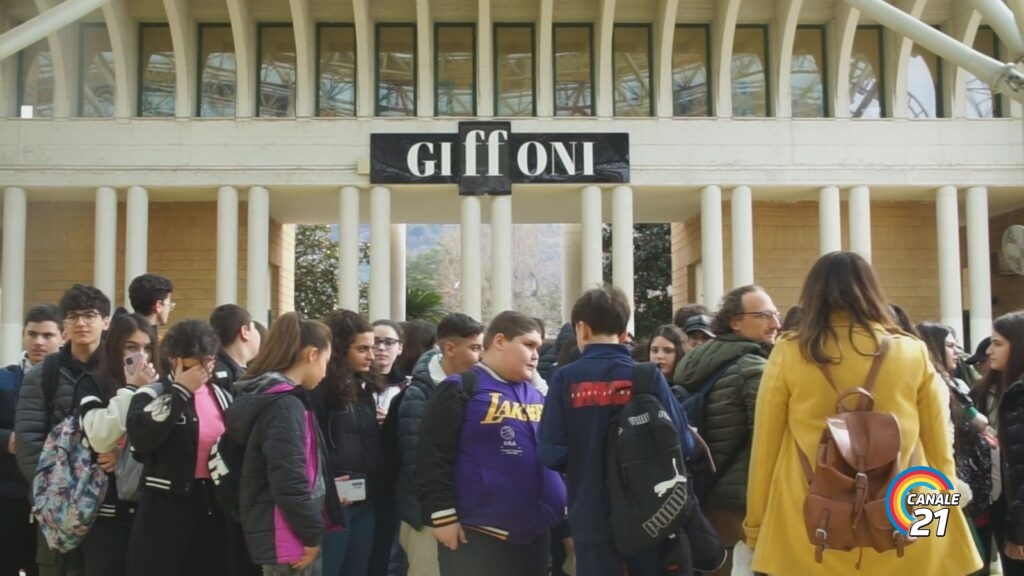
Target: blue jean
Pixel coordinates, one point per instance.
(348, 553)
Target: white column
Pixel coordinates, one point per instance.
(469, 238)
(742, 236)
(227, 245)
(105, 248)
(12, 273)
(52, 20)
(571, 268)
(829, 220)
(501, 254)
(398, 285)
(485, 60)
(711, 253)
(948, 232)
(622, 244)
(978, 265)
(257, 275)
(136, 236)
(348, 249)
(859, 208)
(591, 275)
(380, 253)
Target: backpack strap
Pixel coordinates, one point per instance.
(644, 374)
(865, 400)
(468, 383)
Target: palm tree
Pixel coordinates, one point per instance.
(423, 304)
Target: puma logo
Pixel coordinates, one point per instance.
(662, 488)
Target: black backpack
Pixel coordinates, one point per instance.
(647, 483)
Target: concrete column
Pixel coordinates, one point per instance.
(380, 253)
(227, 245)
(484, 60)
(501, 254)
(105, 247)
(257, 275)
(948, 232)
(978, 265)
(398, 284)
(136, 236)
(469, 238)
(712, 251)
(829, 220)
(21, 37)
(742, 236)
(859, 207)
(348, 249)
(591, 275)
(622, 243)
(12, 273)
(571, 268)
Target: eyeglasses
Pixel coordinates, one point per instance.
(385, 342)
(766, 315)
(89, 317)
(171, 305)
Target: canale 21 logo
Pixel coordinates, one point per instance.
(910, 493)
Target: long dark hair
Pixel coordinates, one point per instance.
(673, 334)
(840, 281)
(420, 336)
(341, 381)
(1011, 328)
(934, 337)
(110, 372)
(289, 336)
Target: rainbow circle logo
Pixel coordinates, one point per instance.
(909, 480)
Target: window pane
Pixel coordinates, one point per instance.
(866, 74)
(277, 72)
(981, 103)
(690, 72)
(924, 84)
(337, 96)
(156, 94)
(749, 73)
(454, 93)
(574, 88)
(36, 72)
(513, 90)
(807, 73)
(396, 70)
(631, 48)
(217, 77)
(96, 89)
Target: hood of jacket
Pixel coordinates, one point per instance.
(423, 373)
(252, 397)
(704, 360)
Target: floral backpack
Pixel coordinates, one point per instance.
(69, 485)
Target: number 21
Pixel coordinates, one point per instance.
(917, 529)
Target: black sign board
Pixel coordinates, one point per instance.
(487, 158)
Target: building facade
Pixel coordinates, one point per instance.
(186, 138)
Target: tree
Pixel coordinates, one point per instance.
(652, 269)
(423, 304)
(316, 270)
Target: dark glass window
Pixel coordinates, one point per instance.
(156, 71)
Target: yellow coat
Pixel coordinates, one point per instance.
(792, 402)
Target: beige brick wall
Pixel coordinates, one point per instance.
(786, 246)
(1008, 288)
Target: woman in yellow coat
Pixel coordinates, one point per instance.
(845, 317)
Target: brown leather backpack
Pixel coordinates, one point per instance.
(858, 457)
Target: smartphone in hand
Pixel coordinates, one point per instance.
(134, 362)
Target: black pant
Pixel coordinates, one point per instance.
(484, 554)
(239, 561)
(17, 538)
(1010, 567)
(385, 526)
(105, 549)
(178, 535)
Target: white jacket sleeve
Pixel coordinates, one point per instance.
(104, 427)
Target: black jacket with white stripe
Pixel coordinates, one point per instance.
(164, 431)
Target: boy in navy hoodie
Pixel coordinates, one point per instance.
(485, 492)
(582, 399)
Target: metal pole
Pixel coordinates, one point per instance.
(27, 34)
(1000, 18)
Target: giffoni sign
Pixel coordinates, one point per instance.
(487, 158)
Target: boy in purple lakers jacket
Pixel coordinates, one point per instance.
(490, 500)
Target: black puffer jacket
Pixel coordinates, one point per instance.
(352, 439)
(32, 420)
(1011, 439)
(410, 413)
(729, 412)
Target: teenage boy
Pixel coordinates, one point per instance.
(486, 494)
(86, 314)
(582, 399)
(460, 341)
(40, 335)
(239, 343)
(150, 296)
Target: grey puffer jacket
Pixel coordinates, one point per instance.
(426, 375)
(729, 412)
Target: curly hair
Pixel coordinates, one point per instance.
(191, 338)
(731, 307)
(340, 381)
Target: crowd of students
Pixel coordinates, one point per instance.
(391, 449)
